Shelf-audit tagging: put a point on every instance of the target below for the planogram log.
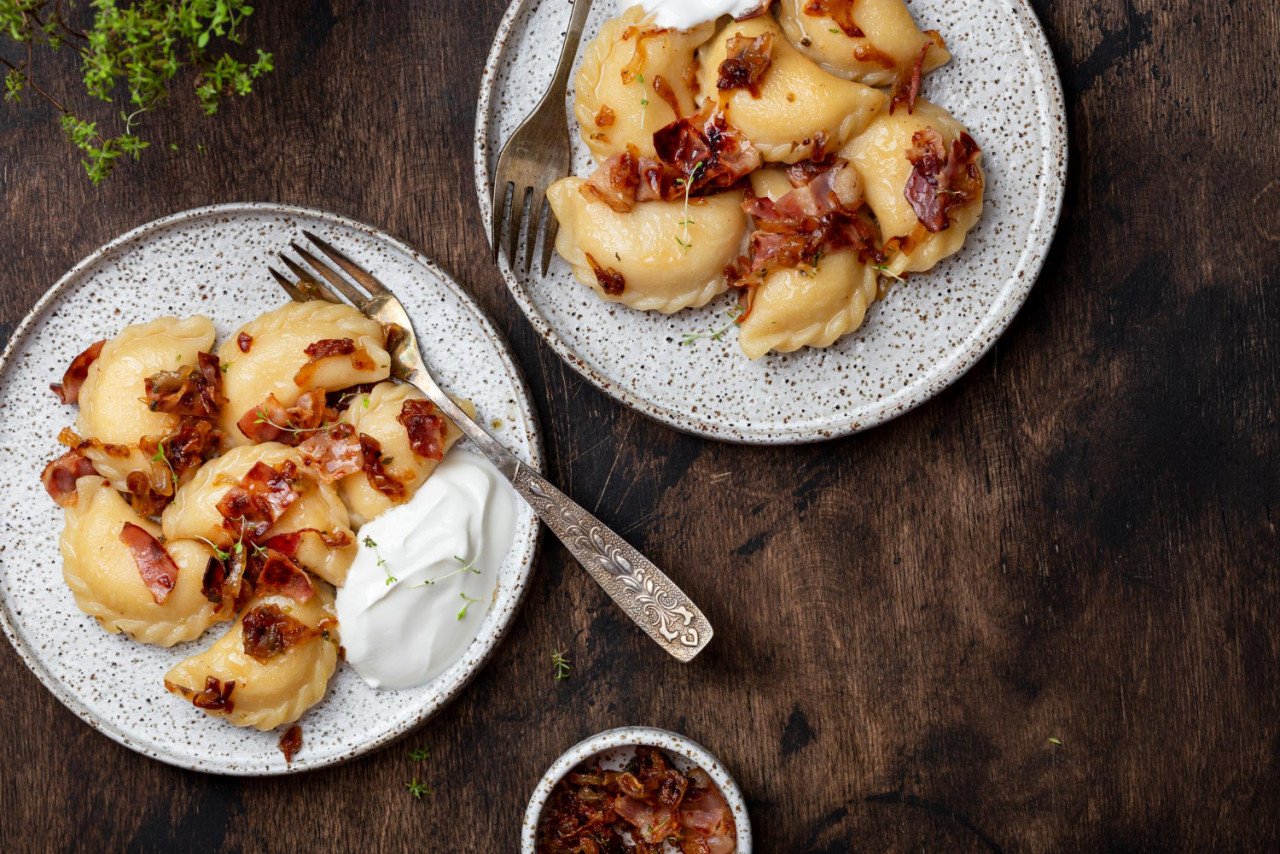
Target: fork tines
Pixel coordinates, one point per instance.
(308, 287)
(517, 205)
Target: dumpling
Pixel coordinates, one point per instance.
(660, 256)
(268, 356)
(632, 78)
(194, 512)
(105, 578)
(113, 400)
(377, 415)
(886, 51)
(801, 110)
(882, 155)
(270, 667)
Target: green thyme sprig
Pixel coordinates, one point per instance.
(467, 603)
(884, 271)
(715, 334)
(382, 562)
(141, 46)
(561, 664)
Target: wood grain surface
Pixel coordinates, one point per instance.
(1075, 542)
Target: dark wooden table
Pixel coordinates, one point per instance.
(1075, 542)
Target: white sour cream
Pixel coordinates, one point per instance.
(687, 14)
(406, 632)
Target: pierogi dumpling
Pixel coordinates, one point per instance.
(628, 73)
(194, 512)
(665, 256)
(885, 52)
(266, 357)
(107, 584)
(800, 110)
(880, 154)
(269, 673)
(377, 415)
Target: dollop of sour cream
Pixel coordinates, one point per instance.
(426, 573)
(687, 14)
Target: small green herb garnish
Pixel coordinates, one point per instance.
(417, 789)
(467, 566)
(382, 563)
(263, 418)
(1054, 741)
(469, 602)
(418, 754)
(562, 665)
(226, 366)
(365, 401)
(714, 334)
(217, 552)
(884, 271)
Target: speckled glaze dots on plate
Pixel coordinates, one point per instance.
(213, 261)
(614, 747)
(1001, 83)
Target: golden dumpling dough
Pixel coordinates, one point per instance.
(665, 265)
(277, 690)
(105, 580)
(880, 156)
(798, 307)
(113, 399)
(800, 106)
(887, 50)
(194, 512)
(277, 343)
(615, 101)
(375, 414)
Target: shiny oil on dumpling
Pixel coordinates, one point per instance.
(194, 512)
(628, 73)
(880, 154)
(271, 672)
(375, 414)
(113, 399)
(107, 583)
(800, 108)
(659, 256)
(886, 51)
(265, 357)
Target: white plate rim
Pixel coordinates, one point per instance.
(524, 401)
(946, 372)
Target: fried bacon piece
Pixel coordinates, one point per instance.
(193, 390)
(291, 743)
(60, 476)
(374, 469)
(706, 151)
(610, 280)
(217, 574)
(747, 61)
(275, 572)
(287, 544)
(253, 505)
(333, 454)
(159, 572)
(272, 421)
(907, 89)
(628, 177)
(269, 631)
(332, 348)
(244, 341)
(649, 801)
(426, 428)
(68, 391)
(190, 445)
(840, 11)
(941, 181)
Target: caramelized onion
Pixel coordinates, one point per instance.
(747, 61)
(840, 11)
(379, 478)
(268, 631)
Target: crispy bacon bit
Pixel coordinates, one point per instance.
(287, 544)
(706, 151)
(214, 583)
(593, 810)
(332, 348)
(272, 421)
(605, 118)
(244, 341)
(426, 428)
(332, 454)
(191, 444)
(146, 496)
(666, 93)
(159, 572)
(291, 743)
(269, 631)
(216, 696)
(614, 181)
(840, 11)
(906, 91)
(277, 573)
(253, 505)
(940, 182)
(379, 478)
(747, 61)
(194, 390)
(68, 391)
(610, 280)
(60, 476)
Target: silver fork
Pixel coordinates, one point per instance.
(639, 587)
(536, 156)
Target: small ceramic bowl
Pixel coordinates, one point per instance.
(614, 747)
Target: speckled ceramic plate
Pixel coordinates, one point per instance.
(212, 261)
(1002, 83)
(613, 748)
